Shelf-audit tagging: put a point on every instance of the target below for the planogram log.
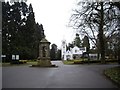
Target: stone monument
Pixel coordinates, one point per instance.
(44, 53)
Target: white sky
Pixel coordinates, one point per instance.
(54, 15)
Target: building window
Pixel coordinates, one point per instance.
(82, 49)
(75, 51)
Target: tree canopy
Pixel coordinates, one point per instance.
(97, 20)
(20, 32)
(77, 41)
(86, 43)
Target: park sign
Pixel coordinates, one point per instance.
(3, 55)
(15, 57)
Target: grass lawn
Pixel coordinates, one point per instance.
(27, 63)
(113, 74)
(32, 63)
(70, 62)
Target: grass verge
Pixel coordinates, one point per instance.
(113, 74)
(24, 64)
(68, 62)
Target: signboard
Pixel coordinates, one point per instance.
(13, 57)
(3, 55)
(17, 57)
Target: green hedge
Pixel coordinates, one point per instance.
(86, 61)
(83, 61)
(93, 61)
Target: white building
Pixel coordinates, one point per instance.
(94, 56)
(73, 53)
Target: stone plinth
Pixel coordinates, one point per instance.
(44, 63)
(44, 53)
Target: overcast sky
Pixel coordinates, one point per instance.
(54, 15)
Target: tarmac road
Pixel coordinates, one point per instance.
(64, 76)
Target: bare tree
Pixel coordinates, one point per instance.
(97, 20)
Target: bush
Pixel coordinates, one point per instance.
(18, 61)
(78, 62)
(14, 62)
(22, 61)
(111, 60)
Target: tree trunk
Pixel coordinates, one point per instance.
(101, 35)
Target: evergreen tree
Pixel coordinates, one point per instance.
(53, 52)
(86, 43)
(58, 54)
(70, 45)
(20, 33)
(38, 35)
(77, 41)
(5, 31)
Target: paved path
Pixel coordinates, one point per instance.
(65, 76)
